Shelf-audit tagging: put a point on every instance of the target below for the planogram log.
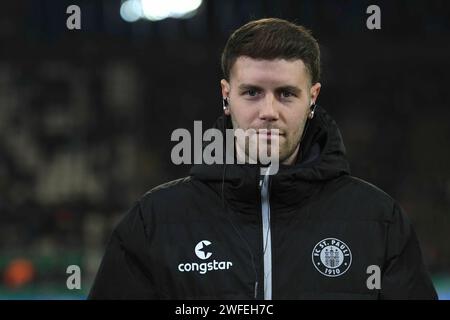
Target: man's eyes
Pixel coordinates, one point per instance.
(251, 93)
(284, 94)
(287, 94)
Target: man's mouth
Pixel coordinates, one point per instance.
(270, 133)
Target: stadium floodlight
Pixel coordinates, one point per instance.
(131, 10)
(156, 10)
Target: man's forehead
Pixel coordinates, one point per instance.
(270, 72)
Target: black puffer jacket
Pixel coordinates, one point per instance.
(311, 231)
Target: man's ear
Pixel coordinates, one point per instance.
(225, 85)
(314, 92)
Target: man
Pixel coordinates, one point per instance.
(310, 231)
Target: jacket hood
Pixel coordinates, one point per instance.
(321, 158)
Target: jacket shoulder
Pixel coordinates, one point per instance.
(371, 202)
(369, 189)
(167, 197)
(158, 205)
(169, 186)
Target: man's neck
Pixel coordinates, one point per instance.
(292, 158)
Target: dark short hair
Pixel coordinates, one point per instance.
(273, 38)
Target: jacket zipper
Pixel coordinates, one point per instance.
(267, 239)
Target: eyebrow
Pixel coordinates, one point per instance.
(293, 89)
(245, 86)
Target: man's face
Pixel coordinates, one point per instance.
(270, 94)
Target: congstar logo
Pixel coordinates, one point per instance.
(203, 252)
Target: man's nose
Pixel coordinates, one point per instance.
(268, 111)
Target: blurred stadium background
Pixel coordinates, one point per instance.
(86, 116)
